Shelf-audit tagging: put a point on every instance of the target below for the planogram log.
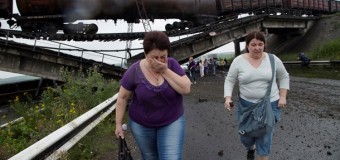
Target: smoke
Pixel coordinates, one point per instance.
(82, 10)
(99, 9)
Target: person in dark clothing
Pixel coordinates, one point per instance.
(304, 60)
(226, 64)
(192, 70)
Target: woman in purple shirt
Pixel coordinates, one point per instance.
(156, 85)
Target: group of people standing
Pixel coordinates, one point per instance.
(205, 67)
(152, 91)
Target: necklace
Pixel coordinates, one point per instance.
(153, 75)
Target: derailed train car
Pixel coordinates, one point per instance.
(6, 8)
(49, 16)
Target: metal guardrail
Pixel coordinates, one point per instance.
(314, 63)
(52, 146)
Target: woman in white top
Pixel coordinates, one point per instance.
(252, 71)
(201, 65)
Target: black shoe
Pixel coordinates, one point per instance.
(251, 155)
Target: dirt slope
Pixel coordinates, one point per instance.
(325, 29)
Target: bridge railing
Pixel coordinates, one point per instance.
(101, 56)
(58, 142)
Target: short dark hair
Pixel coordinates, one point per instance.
(156, 40)
(255, 35)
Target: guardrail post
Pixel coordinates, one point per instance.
(7, 38)
(82, 53)
(103, 58)
(59, 49)
(35, 43)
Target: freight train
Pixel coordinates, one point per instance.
(49, 16)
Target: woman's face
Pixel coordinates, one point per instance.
(256, 47)
(156, 54)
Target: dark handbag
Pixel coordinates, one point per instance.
(124, 151)
(257, 119)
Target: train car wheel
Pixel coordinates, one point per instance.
(91, 29)
(68, 29)
(168, 27)
(177, 25)
(26, 28)
(52, 29)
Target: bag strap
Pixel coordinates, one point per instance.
(272, 64)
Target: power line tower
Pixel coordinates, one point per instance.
(146, 24)
(128, 44)
(143, 16)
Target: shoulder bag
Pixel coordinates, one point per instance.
(258, 119)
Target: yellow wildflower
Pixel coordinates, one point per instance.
(16, 99)
(73, 110)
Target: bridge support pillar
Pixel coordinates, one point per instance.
(237, 47)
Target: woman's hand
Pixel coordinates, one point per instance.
(282, 102)
(119, 131)
(228, 103)
(158, 66)
(283, 96)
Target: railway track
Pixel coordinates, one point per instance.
(222, 23)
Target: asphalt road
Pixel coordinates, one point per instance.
(309, 129)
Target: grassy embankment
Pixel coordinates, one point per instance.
(57, 107)
(326, 51)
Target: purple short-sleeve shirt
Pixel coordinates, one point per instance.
(153, 106)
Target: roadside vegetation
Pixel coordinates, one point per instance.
(326, 51)
(57, 107)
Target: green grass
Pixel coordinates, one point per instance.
(327, 51)
(316, 72)
(57, 107)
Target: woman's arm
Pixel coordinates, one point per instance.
(283, 76)
(179, 83)
(123, 97)
(229, 83)
(283, 97)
